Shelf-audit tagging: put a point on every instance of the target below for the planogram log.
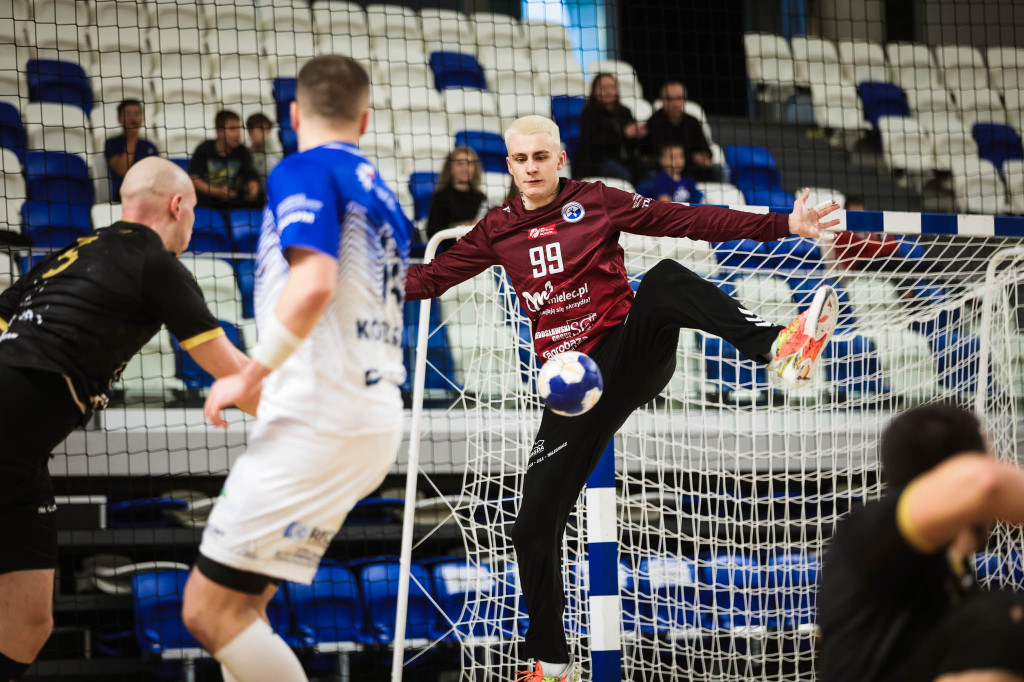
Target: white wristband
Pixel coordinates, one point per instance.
(276, 344)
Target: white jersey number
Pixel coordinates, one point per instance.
(547, 259)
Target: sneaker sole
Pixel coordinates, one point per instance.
(825, 304)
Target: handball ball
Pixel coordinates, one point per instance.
(570, 383)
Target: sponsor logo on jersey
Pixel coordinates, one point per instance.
(366, 174)
(543, 457)
(296, 217)
(542, 231)
(534, 302)
(300, 532)
(537, 448)
(571, 328)
(568, 344)
(640, 201)
(573, 212)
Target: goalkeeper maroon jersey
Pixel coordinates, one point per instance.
(564, 259)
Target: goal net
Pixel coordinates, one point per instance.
(727, 489)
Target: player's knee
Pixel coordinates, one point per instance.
(197, 618)
(527, 538)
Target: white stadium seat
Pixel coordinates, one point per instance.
(912, 66)
(905, 145)
(57, 128)
(105, 214)
(1013, 171)
(863, 61)
(497, 30)
(809, 50)
(962, 66)
(978, 187)
(447, 26)
(357, 47)
(722, 194)
(1006, 68)
(168, 14)
(339, 18)
(617, 183)
(393, 21)
(216, 278)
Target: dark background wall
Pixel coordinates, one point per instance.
(699, 42)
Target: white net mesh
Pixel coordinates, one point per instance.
(727, 488)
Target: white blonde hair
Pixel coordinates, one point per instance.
(528, 125)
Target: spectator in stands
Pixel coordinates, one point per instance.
(609, 135)
(672, 125)
(897, 598)
(861, 250)
(128, 148)
(457, 199)
(259, 126)
(222, 169)
(673, 184)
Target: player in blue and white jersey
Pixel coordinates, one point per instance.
(333, 253)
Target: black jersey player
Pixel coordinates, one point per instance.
(67, 329)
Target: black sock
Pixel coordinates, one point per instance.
(11, 670)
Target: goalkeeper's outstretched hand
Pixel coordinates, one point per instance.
(806, 222)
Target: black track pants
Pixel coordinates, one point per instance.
(637, 360)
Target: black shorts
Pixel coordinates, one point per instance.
(984, 632)
(36, 414)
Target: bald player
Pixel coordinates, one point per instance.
(67, 330)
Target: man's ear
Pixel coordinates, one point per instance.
(175, 205)
(561, 159)
(364, 123)
(293, 112)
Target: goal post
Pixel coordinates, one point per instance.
(696, 546)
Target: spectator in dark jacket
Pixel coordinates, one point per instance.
(672, 125)
(608, 133)
(457, 199)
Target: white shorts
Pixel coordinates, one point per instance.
(287, 496)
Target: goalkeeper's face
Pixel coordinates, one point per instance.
(534, 161)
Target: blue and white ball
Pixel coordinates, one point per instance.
(570, 383)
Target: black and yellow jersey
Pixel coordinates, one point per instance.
(84, 311)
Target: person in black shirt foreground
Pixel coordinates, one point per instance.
(69, 327)
(457, 199)
(895, 599)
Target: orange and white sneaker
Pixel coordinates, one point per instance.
(799, 345)
(571, 674)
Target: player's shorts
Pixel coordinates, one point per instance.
(36, 414)
(286, 498)
(984, 632)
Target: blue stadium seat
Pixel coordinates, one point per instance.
(998, 143)
(989, 567)
(245, 276)
(245, 229)
(12, 132)
(753, 168)
(289, 140)
(39, 164)
(284, 94)
(794, 253)
(210, 232)
(490, 147)
(736, 580)
(281, 614)
(882, 99)
(670, 599)
(378, 580)
(143, 512)
(189, 371)
(157, 599)
(330, 610)
(956, 359)
(463, 592)
(771, 196)
(738, 377)
(421, 185)
(565, 111)
(456, 70)
(440, 374)
(58, 81)
(792, 578)
(54, 226)
(741, 253)
(180, 162)
(745, 156)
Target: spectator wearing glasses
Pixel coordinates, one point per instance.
(222, 169)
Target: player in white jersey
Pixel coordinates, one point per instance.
(333, 253)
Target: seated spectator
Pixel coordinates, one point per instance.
(861, 250)
(672, 125)
(673, 184)
(128, 148)
(263, 160)
(457, 199)
(222, 169)
(609, 134)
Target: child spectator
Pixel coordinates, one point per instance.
(222, 169)
(259, 127)
(128, 148)
(673, 184)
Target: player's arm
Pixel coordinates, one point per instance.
(221, 358)
(311, 282)
(640, 215)
(468, 257)
(963, 491)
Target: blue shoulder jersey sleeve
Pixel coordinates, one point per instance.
(301, 195)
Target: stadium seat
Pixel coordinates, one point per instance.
(737, 582)
(736, 378)
(912, 66)
(670, 600)
(378, 580)
(862, 61)
(105, 214)
(496, 29)
(722, 194)
(998, 143)
(753, 168)
(58, 178)
(978, 187)
(772, 197)
(13, 191)
(1005, 68)
(625, 74)
(557, 73)
(341, 18)
(792, 579)
(184, 127)
(904, 145)
(216, 279)
(882, 99)
(617, 183)
(489, 146)
(330, 610)
(188, 370)
(456, 70)
(1013, 171)
(770, 66)
(157, 599)
(447, 27)
(393, 21)
(471, 110)
(963, 67)
(440, 376)
(245, 230)
(12, 131)
(815, 61)
(54, 226)
(464, 592)
(210, 232)
(58, 81)
(545, 35)
(794, 254)
(57, 128)
(565, 110)
(421, 184)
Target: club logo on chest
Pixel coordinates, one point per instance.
(573, 212)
